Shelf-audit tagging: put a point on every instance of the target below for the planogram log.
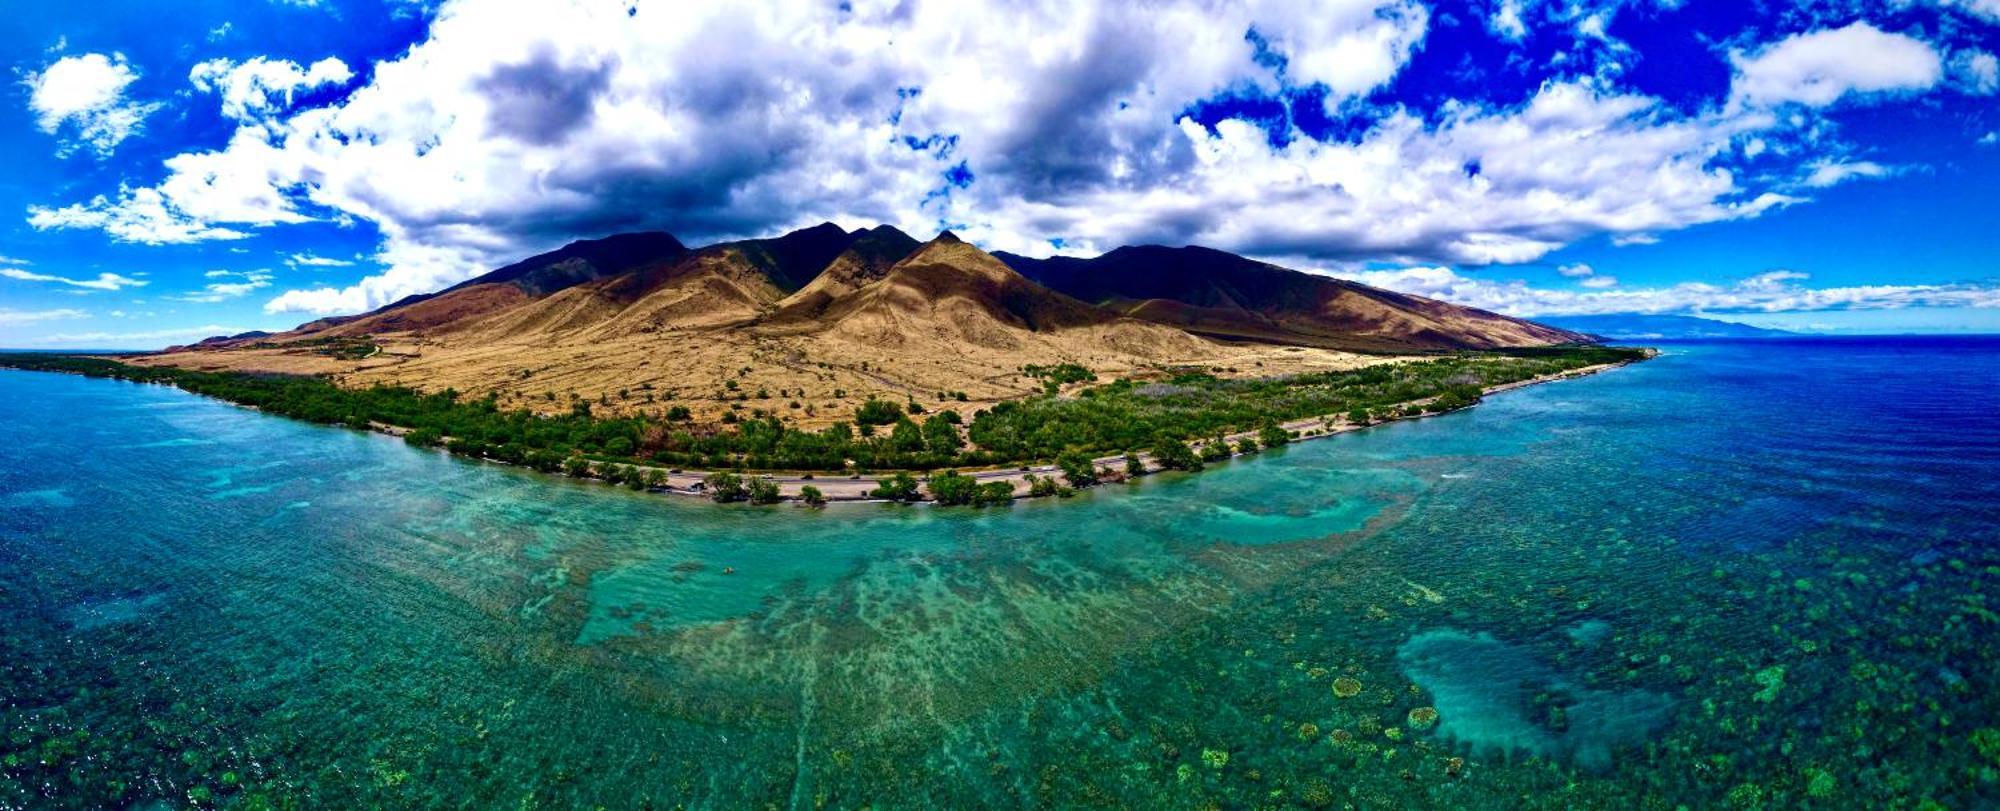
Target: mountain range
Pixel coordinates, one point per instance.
(823, 314)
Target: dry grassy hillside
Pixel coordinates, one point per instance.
(716, 332)
(1210, 292)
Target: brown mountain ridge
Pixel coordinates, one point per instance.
(811, 322)
(1219, 294)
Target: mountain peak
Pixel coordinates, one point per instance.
(946, 237)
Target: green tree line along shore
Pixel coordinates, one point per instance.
(1125, 416)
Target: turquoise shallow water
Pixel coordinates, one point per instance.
(1750, 575)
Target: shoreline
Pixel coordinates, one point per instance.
(856, 488)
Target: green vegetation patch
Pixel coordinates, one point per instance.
(1124, 416)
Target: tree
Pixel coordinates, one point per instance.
(952, 488)
(1078, 469)
(1358, 416)
(877, 411)
(1457, 396)
(577, 466)
(725, 487)
(812, 496)
(423, 437)
(993, 494)
(898, 487)
(679, 413)
(1272, 436)
(839, 433)
(941, 434)
(762, 491)
(1247, 446)
(1173, 454)
(906, 437)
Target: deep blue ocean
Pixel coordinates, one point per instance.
(1745, 575)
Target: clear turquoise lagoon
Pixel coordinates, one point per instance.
(1752, 575)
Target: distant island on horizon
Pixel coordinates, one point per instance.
(1654, 327)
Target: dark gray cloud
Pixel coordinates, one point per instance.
(541, 100)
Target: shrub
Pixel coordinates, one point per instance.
(1457, 396)
(812, 496)
(1174, 454)
(898, 487)
(877, 412)
(993, 494)
(1215, 450)
(1272, 436)
(1134, 466)
(952, 488)
(725, 487)
(762, 491)
(1048, 486)
(906, 437)
(941, 433)
(1078, 469)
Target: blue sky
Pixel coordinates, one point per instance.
(1825, 166)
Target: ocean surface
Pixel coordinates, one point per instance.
(1751, 575)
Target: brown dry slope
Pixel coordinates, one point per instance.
(1211, 292)
(865, 261)
(808, 324)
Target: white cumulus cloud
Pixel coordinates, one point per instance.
(1818, 68)
(1978, 72)
(516, 126)
(260, 87)
(81, 99)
